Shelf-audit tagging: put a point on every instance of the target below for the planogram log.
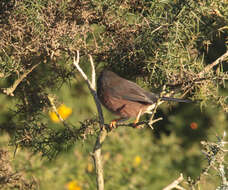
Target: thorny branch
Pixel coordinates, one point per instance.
(51, 100)
(133, 125)
(198, 78)
(216, 62)
(9, 91)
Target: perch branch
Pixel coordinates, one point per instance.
(133, 125)
(9, 91)
(175, 184)
(103, 132)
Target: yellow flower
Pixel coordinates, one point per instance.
(63, 111)
(73, 185)
(137, 161)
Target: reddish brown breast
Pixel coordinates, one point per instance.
(121, 107)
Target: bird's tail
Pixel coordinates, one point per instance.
(175, 99)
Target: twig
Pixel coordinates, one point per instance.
(51, 100)
(151, 122)
(200, 76)
(91, 85)
(155, 120)
(93, 71)
(216, 62)
(9, 91)
(76, 64)
(103, 132)
(133, 125)
(175, 184)
(156, 29)
(158, 102)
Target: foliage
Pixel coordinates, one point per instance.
(155, 43)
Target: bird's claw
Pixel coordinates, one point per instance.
(136, 125)
(112, 125)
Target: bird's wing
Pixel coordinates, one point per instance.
(131, 91)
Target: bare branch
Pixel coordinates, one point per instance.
(175, 184)
(51, 100)
(96, 155)
(91, 85)
(9, 91)
(93, 72)
(216, 62)
(151, 122)
(76, 64)
(103, 132)
(133, 125)
(158, 102)
(155, 120)
(156, 29)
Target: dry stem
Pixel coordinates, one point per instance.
(158, 102)
(51, 100)
(103, 133)
(216, 62)
(175, 184)
(133, 125)
(9, 91)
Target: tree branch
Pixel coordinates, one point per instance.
(51, 100)
(133, 125)
(9, 91)
(175, 184)
(158, 102)
(200, 76)
(103, 132)
(216, 62)
(93, 71)
(76, 64)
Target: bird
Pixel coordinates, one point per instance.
(126, 98)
